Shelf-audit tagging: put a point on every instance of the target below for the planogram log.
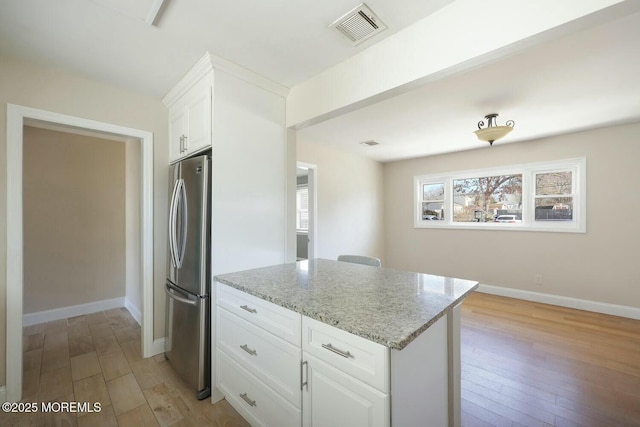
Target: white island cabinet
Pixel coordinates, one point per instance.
(322, 343)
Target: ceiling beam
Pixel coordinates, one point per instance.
(450, 41)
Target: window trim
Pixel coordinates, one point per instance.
(577, 166)
(302, 230)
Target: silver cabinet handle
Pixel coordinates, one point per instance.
(183, 143)
(246, 399)
(304, 383)
(342, 353)
(248, 350)
(249, 309)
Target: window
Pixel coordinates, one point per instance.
(539, 196)
(484, 198)
(302, 208)
(433, 201)
(554, 196)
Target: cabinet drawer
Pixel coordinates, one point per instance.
(279, 321)
(271, 359)
(354, 355)
(255, 401)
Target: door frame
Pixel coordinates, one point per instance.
(16, 116)
(312, 173)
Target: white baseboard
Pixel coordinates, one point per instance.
(71, 311)
(3, 393)
(135, 312)
(158, 346)
(580, 304)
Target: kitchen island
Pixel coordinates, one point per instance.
(329, 343)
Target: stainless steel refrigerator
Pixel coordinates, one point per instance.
(188, 286)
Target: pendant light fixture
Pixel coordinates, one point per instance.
(492, 132)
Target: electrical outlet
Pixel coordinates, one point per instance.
(537, 279)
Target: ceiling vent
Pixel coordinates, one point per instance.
(359, 24)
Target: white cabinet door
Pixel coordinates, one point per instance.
(177, 132)
(334, 399)
(190, 121)
(198, 119)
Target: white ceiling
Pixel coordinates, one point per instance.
(287, 41)
(583, 80)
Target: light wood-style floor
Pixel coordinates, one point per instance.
(97, 358)
(523, 364)
(529, 364)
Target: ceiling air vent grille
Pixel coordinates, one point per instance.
(359, 24)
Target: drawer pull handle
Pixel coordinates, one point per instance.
(342, 353)
(249, 309)
(246, 399)
(248, 350)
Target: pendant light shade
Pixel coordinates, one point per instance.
(492, 132)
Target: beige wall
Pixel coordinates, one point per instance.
(74, 219)
(50, 89)
(601, 265)
(350, 201)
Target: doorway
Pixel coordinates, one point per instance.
(306, 211)
(16, 117)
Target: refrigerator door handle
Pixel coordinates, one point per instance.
(173, 294)
(172, 224)
(182, 204)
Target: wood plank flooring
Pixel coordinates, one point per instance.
(97, 358)
(523, 364)
(530, 364)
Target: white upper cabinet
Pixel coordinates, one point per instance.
(177, 130)
(222, 103)
(190, 122)
(190, 112)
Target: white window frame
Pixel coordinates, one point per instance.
(577, 166)
(302, 230)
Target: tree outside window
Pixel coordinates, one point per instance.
(483, 199)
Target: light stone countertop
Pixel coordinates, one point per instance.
(390, 307)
